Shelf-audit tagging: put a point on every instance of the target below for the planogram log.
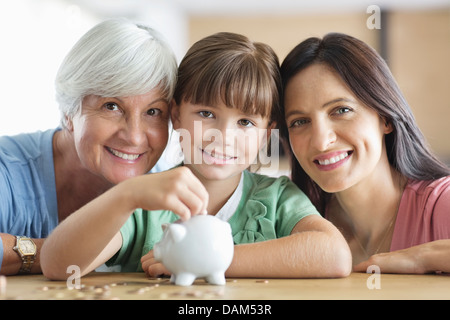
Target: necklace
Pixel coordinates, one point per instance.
(402, 184)
(380, 243)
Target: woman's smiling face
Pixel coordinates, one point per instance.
(121, 137)
(337, 140)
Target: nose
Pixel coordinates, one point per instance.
(230, 132)
(323, 135)
(222, 134)
(134, 131)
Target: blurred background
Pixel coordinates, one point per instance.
(412, 35)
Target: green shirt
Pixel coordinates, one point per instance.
(269, 209)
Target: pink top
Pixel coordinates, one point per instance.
(423, 214)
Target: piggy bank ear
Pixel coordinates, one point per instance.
(164, 226)
(177, 231)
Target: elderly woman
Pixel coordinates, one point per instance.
(114, 89)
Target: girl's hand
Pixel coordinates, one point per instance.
(177, 190)
(153, 268)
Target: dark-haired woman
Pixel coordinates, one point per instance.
(358, 153)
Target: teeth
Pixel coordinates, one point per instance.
(217, 156)
(124, 156)
(333, 159)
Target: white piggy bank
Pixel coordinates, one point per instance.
(201, 247)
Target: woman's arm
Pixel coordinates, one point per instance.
(429, 257)
(433, 256)
(90, 236)
(315, 249)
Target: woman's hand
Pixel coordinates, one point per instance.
(153, 268)
(392, 262)
(425, 258)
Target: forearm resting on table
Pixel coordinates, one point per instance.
(308, 254)
(436, 256)
(428, 257)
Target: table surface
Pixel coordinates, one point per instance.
(136, 286)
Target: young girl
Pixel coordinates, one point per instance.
(227, 92)
(361, 158)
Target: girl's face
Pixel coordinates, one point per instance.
(219, 142)
(337, 140)
(121, 137)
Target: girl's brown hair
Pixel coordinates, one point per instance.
(229, 68)
(369, 78)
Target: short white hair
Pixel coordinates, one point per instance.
(115, 58)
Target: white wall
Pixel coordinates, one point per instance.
(35, 36)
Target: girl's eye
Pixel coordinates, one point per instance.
(111, 106)
(245, 123)
(206, 114)
(154, 112)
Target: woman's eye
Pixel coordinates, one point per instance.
(298, 123)
(245, 123)
(111, 106)
(206, 114)
(342, 110)
(154, 112)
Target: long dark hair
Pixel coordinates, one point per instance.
(369, 78)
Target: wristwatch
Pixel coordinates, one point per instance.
(26, 249)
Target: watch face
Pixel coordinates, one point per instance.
(27, 246)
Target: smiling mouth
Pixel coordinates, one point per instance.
(333, 160)
(125, 156)
(217, 156)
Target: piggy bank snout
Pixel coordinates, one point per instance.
(173, 233)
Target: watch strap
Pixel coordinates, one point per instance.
(27, 263)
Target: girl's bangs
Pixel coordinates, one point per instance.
(242, 88)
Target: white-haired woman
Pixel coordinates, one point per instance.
(114, 90)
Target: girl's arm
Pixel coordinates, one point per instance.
(90, 236)
(315, 249)
(429, 257)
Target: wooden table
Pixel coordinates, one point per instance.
(136, 286)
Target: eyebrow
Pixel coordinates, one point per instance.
(338, 100)
(298, 112)
(158, 100)
(293, 112)
(151, 103)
